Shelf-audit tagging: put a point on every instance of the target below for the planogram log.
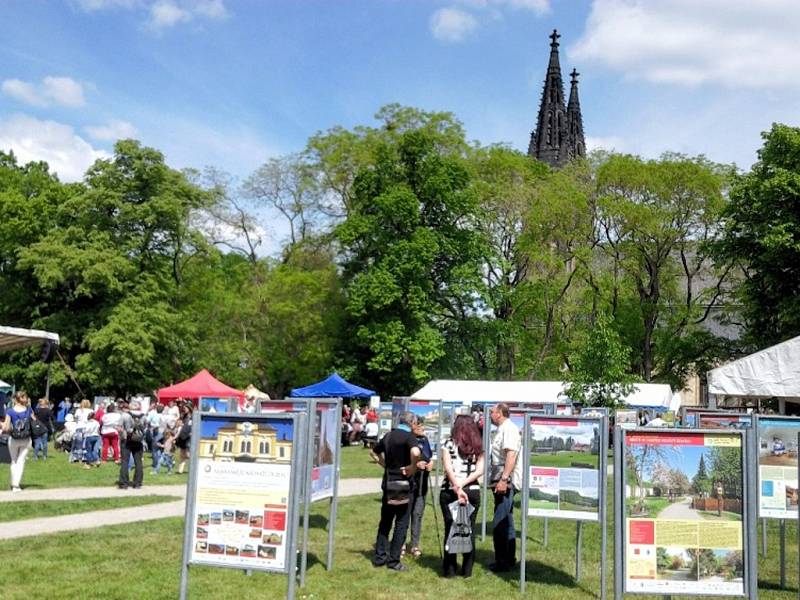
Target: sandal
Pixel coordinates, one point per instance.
(416, 552)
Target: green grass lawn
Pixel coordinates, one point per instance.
(103, 563)
(711, 515)
(654, 505)
(89, 564)
(564, 459)
(355, 462)
(18, 511)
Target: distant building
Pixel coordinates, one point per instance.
(558, 137)
(246, 442)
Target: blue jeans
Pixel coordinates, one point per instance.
(155, 451)
(165, 459)
(92, 445)
(40, 444)
(504, 535)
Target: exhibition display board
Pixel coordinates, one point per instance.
(723, 420)
(384, 418)
(242, 504)
(564, 476)
(685, 512)
(777, 466)
(689, 415)
(321, 465)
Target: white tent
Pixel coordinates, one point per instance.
(4, 386)
(14, 338)
(772, 372)
(655, 396)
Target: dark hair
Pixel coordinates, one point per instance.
(467, 436)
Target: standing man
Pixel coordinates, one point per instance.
(131, 440)
(506, 479)
(397, 452)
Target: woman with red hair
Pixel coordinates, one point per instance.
(463, 461)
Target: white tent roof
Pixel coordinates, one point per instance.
(774, 371)
(646, 395)
(4, 385)
(14, 338)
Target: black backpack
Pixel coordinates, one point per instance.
(21, 428)
(137, 433)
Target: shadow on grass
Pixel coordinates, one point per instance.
(775, 586)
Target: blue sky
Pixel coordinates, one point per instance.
(231, 83)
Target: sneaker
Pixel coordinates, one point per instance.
(16, 489)
(399, 567)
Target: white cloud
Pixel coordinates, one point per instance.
(32, 139)
(735, 43)
(165, 14)
(95, 5)
(610, 143)
(112, 131)
(62, 91)
(452, 24)
(212, 9)
(538, 6)
(162, 14)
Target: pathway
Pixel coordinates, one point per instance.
(682, 511)
(100, 518)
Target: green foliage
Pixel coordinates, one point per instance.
(598, 374)
(762, 234)
(701, 484)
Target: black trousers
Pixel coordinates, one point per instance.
(450, 561)
(126, 449)
(391, 514)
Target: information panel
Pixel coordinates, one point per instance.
(326, 445)
(564, 467)
(723, 420)
(683, 502)
(777, 467)
(243, 486)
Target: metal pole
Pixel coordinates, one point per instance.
(750, 454)
(619, 511)
(603, 497)
(763, 538)
(782, 526)
(299, 430)
(188, 513)
(311, 416)
(526, 459)
(334, 507)
(438, 445)
(545, 535)
(487, 459)
(47, 385)
(578, 539)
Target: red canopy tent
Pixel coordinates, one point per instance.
(202, 385)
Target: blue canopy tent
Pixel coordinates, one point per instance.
(332, 387)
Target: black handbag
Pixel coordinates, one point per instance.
(38, 429)
(398, 491)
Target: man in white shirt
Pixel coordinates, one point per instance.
(506, 479)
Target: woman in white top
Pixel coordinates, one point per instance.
(82, 414)
(463, 462)
(109, 432)
(91, 431)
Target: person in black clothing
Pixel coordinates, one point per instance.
(397, 452)
(420, 491)
(45, 416)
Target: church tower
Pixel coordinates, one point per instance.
(558, 136)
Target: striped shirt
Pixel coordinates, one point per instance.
(462, 467)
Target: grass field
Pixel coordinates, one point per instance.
(564, 459)
(18, 511)
(355, 462)
(103, 563)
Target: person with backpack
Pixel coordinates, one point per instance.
(184, 438)
(18, 425)
(463, 462)
(45, 417)
(132, 428)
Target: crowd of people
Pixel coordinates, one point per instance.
(112, 431)
(407, 460)
(359, 425)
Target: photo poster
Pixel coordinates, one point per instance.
(626, 418)
(218, 405)
(777, 467)
(683, 504)
(326, 447)
(398, 406)
(384, 418)
(429, 410)
(241, 513)
(689, 416)
(564, 468)
(723, 420)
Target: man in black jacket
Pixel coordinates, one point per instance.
(397, 452)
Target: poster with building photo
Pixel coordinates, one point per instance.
(429, 411)
(777, 467)
(326, 434)
(683, 513)
(243, 478)
(384, 418)
(564, 468)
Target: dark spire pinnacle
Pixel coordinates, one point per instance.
(576, 141)
(549, 139)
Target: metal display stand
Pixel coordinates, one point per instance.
(749, 455)
(602, 423)
(299, 456)
(793, 423)
(308, 406)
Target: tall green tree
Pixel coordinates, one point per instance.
(762, 235)
(410, 257)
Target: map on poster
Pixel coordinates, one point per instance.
(241, 514)
(683, 513)
(564, 468)
(326, 435)
(777, 467)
